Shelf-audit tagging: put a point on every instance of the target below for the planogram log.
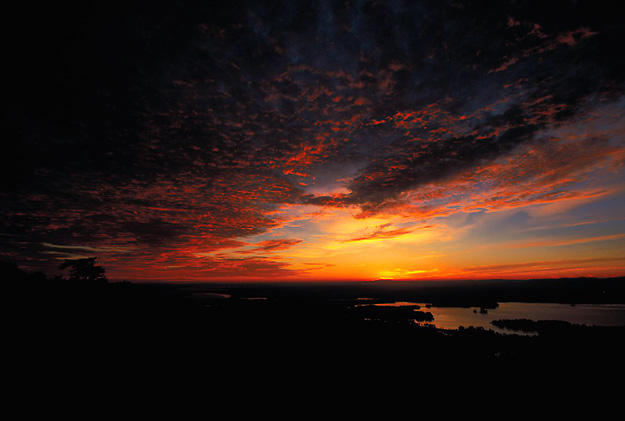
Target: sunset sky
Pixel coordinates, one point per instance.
(326, 140)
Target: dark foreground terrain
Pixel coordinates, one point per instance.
(298, 329)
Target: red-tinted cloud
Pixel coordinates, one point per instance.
(168, 144)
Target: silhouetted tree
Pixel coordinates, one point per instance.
(84, 270)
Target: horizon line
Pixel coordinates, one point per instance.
(352, 281)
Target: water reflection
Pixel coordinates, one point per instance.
(582, 314)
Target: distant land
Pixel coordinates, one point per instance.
(463, 293)
(274, 326)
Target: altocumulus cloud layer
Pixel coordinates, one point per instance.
(169, 134)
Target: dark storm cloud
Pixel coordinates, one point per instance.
(154, 231)
(166, 124)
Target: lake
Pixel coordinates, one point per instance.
(583, 314)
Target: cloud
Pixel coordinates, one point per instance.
(271, 246)
(545, 265)
(180, 132)
(381, 233)
(570, 242)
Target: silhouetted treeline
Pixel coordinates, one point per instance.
(253, 325)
